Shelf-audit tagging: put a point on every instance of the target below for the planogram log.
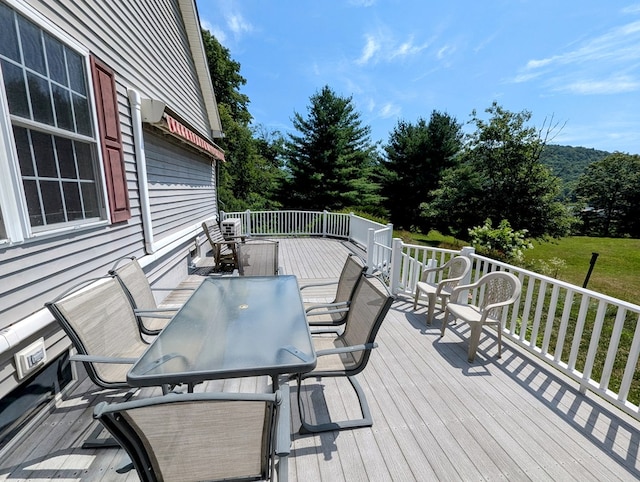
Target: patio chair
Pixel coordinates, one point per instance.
(451, 273)
(204, 436)
(258, 257)
(335, 312)
(346, 353)
(496, 290)
(225, 251)
(98, 319)
(152, 318)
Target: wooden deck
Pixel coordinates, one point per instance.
(436, 417)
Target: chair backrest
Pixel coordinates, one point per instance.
(222, 249)
(134, 282)
(370, 303)
(196, 436)
(98, 318)
(352, 271)
(498, 287)
(456, 269)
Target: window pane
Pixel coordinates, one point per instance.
(55, 59)
(62, 102)
(8, 35)
(33, 203)
(40, 99)
(31, 46)
(16, 89)
(66, 164)
(24, 152)
(76, 72)
(43, 150)
(72, 200)
(52, 201)
(84, 158)
(90, 199)
(83, 118)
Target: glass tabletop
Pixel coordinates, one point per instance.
(231, 327)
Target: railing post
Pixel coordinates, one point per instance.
(349, 236)
(247, 214)
(324, 223)
(371, 242)
(396, 265)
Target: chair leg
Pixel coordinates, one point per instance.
(474, 340)
(365, 421)
(432, 307)
(415, 300)
(94, 441)
(445, 320)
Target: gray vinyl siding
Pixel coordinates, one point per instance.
(144, 43)
(181, 186)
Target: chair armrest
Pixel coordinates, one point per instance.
(426, 271)
(347, 349)
(283, 423)
(456, 291)
(102, 359)
(324, 283)
(326, 331)
(173, 289)
(159, 313)
(328, 308)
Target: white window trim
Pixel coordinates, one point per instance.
(14, 212)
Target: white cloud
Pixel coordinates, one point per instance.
(587, 69)
(612, 85)
(237, 24)
(362, 3)
(632, 9)
(371, 47)
(389, 110)
(381, 46)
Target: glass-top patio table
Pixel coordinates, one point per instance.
(231, 327)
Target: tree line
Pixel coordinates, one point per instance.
(430, 174)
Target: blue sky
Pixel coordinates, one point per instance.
(575, 62)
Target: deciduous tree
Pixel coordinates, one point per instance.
(501, 177)
(610, 188)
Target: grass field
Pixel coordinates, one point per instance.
(616, 272)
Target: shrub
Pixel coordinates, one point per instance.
(501, 243)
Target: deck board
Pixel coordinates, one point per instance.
(435, 415)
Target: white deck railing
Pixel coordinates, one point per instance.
(591, 337)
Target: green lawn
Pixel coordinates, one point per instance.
(617, 269)
(616, 272)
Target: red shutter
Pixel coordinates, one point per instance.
(104, 86)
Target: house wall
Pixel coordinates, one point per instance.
(145, 43)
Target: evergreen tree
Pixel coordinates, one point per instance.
(331, 161)
(416, 155)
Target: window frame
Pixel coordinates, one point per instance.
(12, 197)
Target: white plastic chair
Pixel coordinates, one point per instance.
(451, 273)
(496, 291)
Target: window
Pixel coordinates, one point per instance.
(52, 125)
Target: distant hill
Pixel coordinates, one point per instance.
(569, 162)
